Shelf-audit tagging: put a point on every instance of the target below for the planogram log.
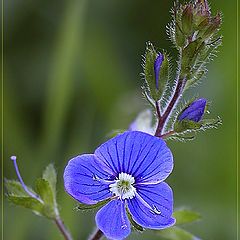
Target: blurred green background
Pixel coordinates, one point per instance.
(72, 75)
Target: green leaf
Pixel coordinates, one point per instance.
(176, 233)
(50, 175)
(44, 190)
(184, 216)
(14, 188)
(83, 207)
(28, 202)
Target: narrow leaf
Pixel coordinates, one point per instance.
(83, 207)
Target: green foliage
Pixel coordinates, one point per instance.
(176, 233)
(184, 216)
(50, 175)
(44, 203)
(28, 202)
(14, 188)
(191, 126)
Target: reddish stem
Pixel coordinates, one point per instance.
(162, 120)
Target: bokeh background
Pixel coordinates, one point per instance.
(72, 75)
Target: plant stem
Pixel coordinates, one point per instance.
(162, 120)
(97, 235)
(167, 134)
(158, 109)
(62, 228)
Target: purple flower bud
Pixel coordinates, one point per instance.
(157, 66)
(195, 111)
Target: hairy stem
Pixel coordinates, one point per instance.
(63, 229)
(158, 109)
(167, 134)
(162, 120)
(97, 235)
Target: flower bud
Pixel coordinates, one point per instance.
(213, 26)
(187, 19)
(157, 67)
(194, 112)
(156, 72)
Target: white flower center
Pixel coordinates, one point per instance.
(123, 186)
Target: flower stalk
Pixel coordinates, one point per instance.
(62, 228)
(97, 235)
(163, 119)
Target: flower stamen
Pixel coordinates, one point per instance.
(123, 186)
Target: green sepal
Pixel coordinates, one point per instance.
(164, 76)
(181, 126)
(187, 20)
(149, 74)
(189, 56)
(28, 202)
(135, 226)
(176, 233)
(84, 207)
(184, 216)
(188, 125)
(14, 188)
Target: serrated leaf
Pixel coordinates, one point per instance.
(50, 175)
(14, 188)
(176, 233)
(184, 216)
(27, 202)
(83, 207)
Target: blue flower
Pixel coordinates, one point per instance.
(128, 169)
(157, 67)
(195, 111)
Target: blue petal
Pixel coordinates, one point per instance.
(145, 157)
(112, 220)
(153, 206)
(82, 179)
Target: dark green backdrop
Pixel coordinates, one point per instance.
(72, 75)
